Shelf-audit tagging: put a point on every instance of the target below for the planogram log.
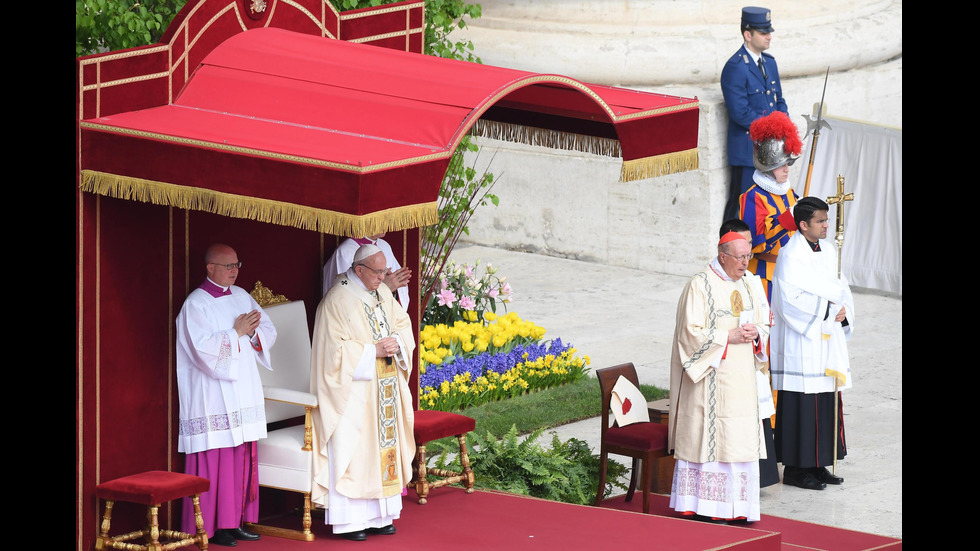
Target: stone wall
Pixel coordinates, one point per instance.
(572, 205)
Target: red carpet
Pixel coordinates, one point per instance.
(795, 534)
(452, 520)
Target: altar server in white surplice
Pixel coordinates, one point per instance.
(715, 428)
(362, 359)
(814, 317)
(223, 336)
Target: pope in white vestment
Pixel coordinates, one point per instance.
(715, 428)
(362, 356)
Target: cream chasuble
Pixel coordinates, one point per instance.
(714, 407)
(364, 426)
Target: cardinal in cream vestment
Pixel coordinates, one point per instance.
(361, 362)
(715, 428)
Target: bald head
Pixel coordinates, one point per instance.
(215, 250)
(218, 258)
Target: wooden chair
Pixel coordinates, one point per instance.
(285, 456)
(432, 425)
(152, 489)
(644, 442)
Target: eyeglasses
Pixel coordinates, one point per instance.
(743, 258)
(376, 272)
(228, 266)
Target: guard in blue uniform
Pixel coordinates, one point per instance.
(750, 84)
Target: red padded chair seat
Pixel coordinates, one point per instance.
(641, 436)
(432, 425)
(152, 487)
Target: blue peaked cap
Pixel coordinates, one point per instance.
(756, 18)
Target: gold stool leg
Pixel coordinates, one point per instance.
(421, 484)
(464, 459)
(103, 540)
(201, 537)
(153, 520)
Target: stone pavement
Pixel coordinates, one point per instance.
(617, 315)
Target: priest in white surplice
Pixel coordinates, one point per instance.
(715, 428)
(223, 336)
(362, 354)
(814, 317)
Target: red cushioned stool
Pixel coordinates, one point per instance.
(432, 425)
(152, 488)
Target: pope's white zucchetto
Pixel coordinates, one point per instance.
(365, 251)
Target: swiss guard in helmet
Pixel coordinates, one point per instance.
(775, 142)
(767, 206)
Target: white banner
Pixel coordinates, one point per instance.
(870, 159)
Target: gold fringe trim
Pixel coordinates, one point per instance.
(659, 165)
(637, 169)
(554, 139)
(262, 210)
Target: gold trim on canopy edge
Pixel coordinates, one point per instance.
(659, 165)
(262, 210)
(554, 139)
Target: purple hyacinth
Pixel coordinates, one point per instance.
(487, 363)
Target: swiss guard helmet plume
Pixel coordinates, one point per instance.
(775, 141)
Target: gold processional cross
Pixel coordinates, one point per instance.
(839, 200)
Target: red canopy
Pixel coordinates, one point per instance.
(270, 117)
(354, 139)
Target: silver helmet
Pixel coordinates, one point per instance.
(770, 154)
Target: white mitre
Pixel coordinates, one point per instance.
(628, 404)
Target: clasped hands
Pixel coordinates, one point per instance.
(386, 347)
(841, 314)
(246, 324)
(398, 279)
(747, 332)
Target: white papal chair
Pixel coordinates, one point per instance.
(286, 455)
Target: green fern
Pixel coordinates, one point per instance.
(568, 471)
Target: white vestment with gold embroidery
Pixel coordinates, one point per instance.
(363, 429)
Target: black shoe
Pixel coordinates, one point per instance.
(223, 537)
(383, 531)
(825, 476)
(240, 534)
(801, 478)
(360, 535)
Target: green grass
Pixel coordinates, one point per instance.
(547, 408)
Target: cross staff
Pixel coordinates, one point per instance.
(839, 200)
